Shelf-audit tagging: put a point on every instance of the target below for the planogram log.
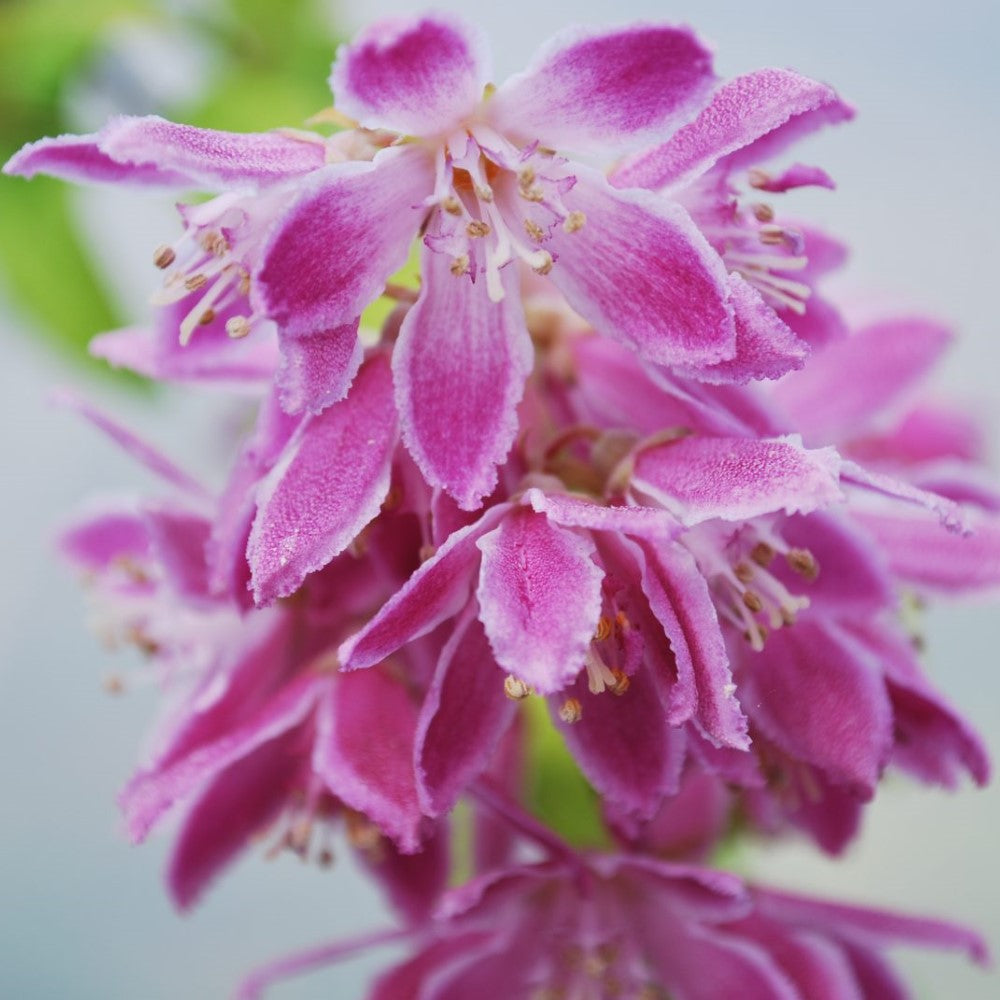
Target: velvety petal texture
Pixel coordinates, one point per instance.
(348, 231)
(460, 365)
(153, 150)
(539, 594)
(593, 90)
(326, 486)
(317, 369)
(662, 291)
(773, 105)
(418, 76)
(699, 478)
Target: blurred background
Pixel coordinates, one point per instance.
(84, 915)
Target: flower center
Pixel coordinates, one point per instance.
(495, 203)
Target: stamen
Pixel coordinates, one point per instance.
(771, 235)
(460, 265)
(762, 212)
(452, 205)
(237, 327)
(758, 178)
(743, 572)
(604, 629)
(622, 682)
(762, 554)
(752, 601)
(515, 688)
(206, 317)
(545, 263)
(571, 711)
(196, 281)
(534, 230)
(803, 562)
(477, 229)
(574, 222)
(163, 257)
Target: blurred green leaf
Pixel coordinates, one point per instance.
(558, 793)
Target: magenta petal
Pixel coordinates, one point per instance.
(317, 369)
(921, 552)
(179, 540)
(699, 478)
(364, 751)
(640, 271)
(763, 110)
(625, 745)
(948, 512)
(854, 379)
(110, 532)
(417, 75)
(765, 346)
(604, 90)
(796, 176)
(460, 365)
(540, 598)
(151, 793)
(152, 150)
(679, 598)
(349, 230)
(819, 695)
(575, 512)
(436, 591)
(237, 806)
(325, 487)
(465, 712)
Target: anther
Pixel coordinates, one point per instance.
(743, 572)
(515, 688)
(243, 285)
(622, 682)
(574, 221)
(545, 265)
(477, 228)
(237, 327)
(803, 562)
(758, 178)
(460, 265)
(214, 243)
(622, 624)
(163, 257)
(206, 317)
(534, 230)
(526, 177)
(533, 193)
(483, 193)
(604, 629)
(752, 601)
(762, 554)
(771, 235)
(195, 282)
(571, 711)
(762, 212)
(452, 205)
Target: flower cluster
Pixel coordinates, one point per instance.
(596, 458)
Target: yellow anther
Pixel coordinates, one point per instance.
(452, 205)
(206, 317)
(758, 178)
(163, 257)
(460, 265)
(771, 235)
(604, 629)
(622, 682)
(534, 230)
(762, 554)
(237, 327)
(477, 229)
(621, 622)
(803, 562)
(515, 688)
(195, 282)
(574, 221)
(526, 177)
(762, 212)
(483, 193)
(571, 711)
(545, 265)
(533, 193)
(743, 572)
(752, 601)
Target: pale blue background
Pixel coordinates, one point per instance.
(83, 916)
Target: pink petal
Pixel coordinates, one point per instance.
(637, 260)
(772, 105)
(364, 752)
(415, 75)
(142, 452)
(765, 346)
(326, 486)
(699, 478)
(106, 533)
(625, 745)
(436, 591)
(679, 598)
(150, 150)
(853, 380)
(460, 365)
(600, 91)
(348, 231)
(950, 513)
(151, 793)
(540, 598)
(819, 696)
(921, 552)
(317, 369)
(236, 807)
(179, 539)
(796, 176)
(575, 512)
(465, 712)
